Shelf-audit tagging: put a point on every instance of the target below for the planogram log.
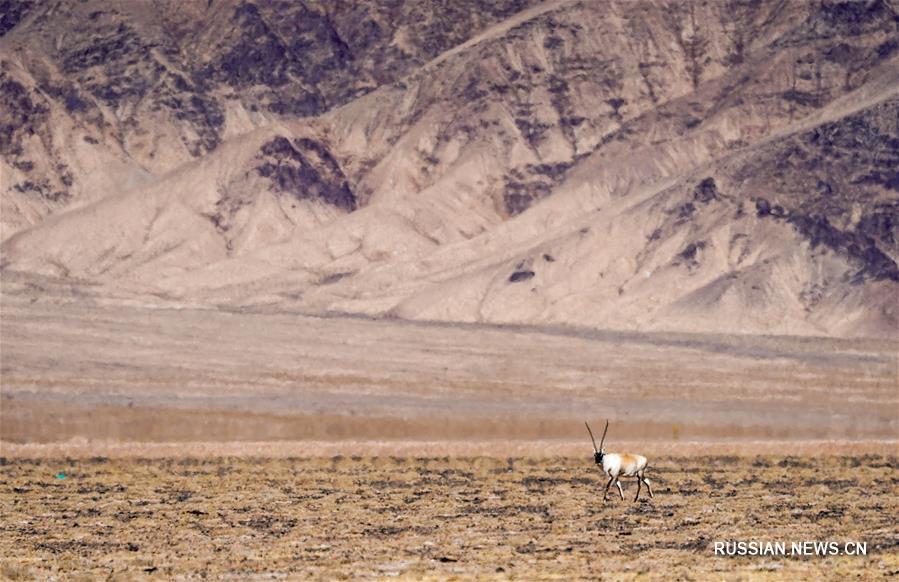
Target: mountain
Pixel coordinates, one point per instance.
(717, 166)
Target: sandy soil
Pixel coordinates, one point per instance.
(417, 517)
(542, 449)
(141, 443)
(134, 374)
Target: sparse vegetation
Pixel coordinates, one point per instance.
(340, 517)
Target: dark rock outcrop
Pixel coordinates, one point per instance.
(306, 170)
(519, 276)
(12, 12)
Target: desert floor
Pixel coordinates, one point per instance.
(138, 442)
(73, 368)
(421, 517)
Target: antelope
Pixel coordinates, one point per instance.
(614, 465)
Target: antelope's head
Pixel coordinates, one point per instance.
(598, 453)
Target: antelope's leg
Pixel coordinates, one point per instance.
(637, 496)
(646, 481)
(605, 495)
(620, 490)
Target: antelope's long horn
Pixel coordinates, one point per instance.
(603, 439)
(591, 436)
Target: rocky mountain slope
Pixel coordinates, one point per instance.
(700, 166)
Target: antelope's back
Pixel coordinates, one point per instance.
(632, 464)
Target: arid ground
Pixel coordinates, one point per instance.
(162, 443)
(420, 517)
(73, 367)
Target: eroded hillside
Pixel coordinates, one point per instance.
(706, 166)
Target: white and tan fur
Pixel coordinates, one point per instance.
(615, 465)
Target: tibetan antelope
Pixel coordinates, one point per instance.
(614, 465)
